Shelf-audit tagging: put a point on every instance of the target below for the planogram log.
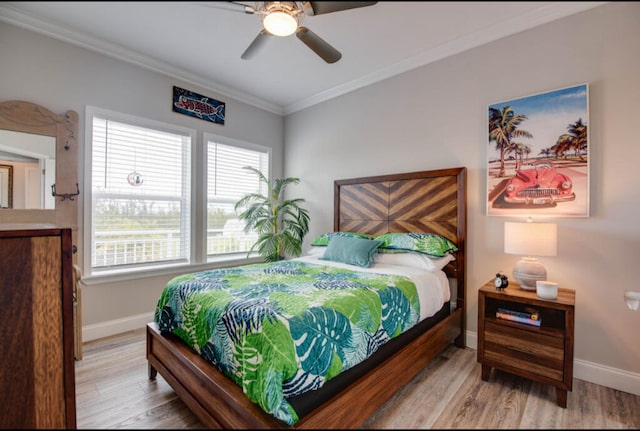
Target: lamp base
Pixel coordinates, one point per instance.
(527, 271)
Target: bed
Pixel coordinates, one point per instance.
(428, 202)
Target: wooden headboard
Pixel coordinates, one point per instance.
(426, 201)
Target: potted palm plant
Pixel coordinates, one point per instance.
(280, 224)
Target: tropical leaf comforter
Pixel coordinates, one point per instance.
(280, 329)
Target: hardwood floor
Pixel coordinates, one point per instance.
(113, 391)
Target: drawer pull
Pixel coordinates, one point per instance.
(515, 349)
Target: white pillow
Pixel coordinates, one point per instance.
(418, 260)
(316, 251)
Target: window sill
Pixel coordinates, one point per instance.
(174, 269)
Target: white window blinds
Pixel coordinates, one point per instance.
(227, 182)
(141, 195)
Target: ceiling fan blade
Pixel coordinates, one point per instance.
(319, 7)
(255, 46)
(229, 5)
(318, 45)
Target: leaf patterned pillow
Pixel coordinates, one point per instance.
(324, 239)
(427, 243)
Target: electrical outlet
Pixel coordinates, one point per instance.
(632, 299)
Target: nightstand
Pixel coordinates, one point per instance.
(542, 353)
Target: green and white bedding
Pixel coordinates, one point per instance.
(280, 329)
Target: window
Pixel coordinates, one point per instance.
(140, 193)
(158, 199)
(227, 182)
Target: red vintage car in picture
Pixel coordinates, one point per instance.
(539, 184)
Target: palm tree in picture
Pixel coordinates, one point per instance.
(578, 131)
(281, 224)
(503, 129)
(522, 151)
(562, 145)
(545, 152)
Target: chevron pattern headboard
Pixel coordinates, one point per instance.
(427, 201)
(430, 201)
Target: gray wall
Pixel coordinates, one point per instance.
(429, 118)
(436, 117)
(64, 77)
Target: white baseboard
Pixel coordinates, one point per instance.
(471, 340)
(588, 371)
(614, 378)
(101, 330)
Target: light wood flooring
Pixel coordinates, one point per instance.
(113, 391)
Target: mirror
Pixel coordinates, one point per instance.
(41, 148)
(6, 186)
(32, 159)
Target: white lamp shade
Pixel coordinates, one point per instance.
(531, 239)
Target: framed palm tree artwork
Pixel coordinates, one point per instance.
(538, 155)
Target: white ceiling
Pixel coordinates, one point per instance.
(201, 44)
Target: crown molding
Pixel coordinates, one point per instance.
(542, 15)
(13, 16)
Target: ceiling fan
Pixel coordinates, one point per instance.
(283, 18)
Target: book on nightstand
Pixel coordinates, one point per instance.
(530, 316)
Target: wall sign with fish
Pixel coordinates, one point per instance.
(196, 105)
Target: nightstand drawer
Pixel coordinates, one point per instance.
(525, 350)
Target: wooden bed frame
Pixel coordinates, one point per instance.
(427, 201)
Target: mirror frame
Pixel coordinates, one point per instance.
(27, 117)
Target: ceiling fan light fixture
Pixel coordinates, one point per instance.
(280, 23)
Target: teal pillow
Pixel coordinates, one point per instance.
(426, 243)
(324, 239)
(351, 250)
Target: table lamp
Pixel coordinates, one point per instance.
(528, 240)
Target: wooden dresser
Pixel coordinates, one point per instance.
(37, 374)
